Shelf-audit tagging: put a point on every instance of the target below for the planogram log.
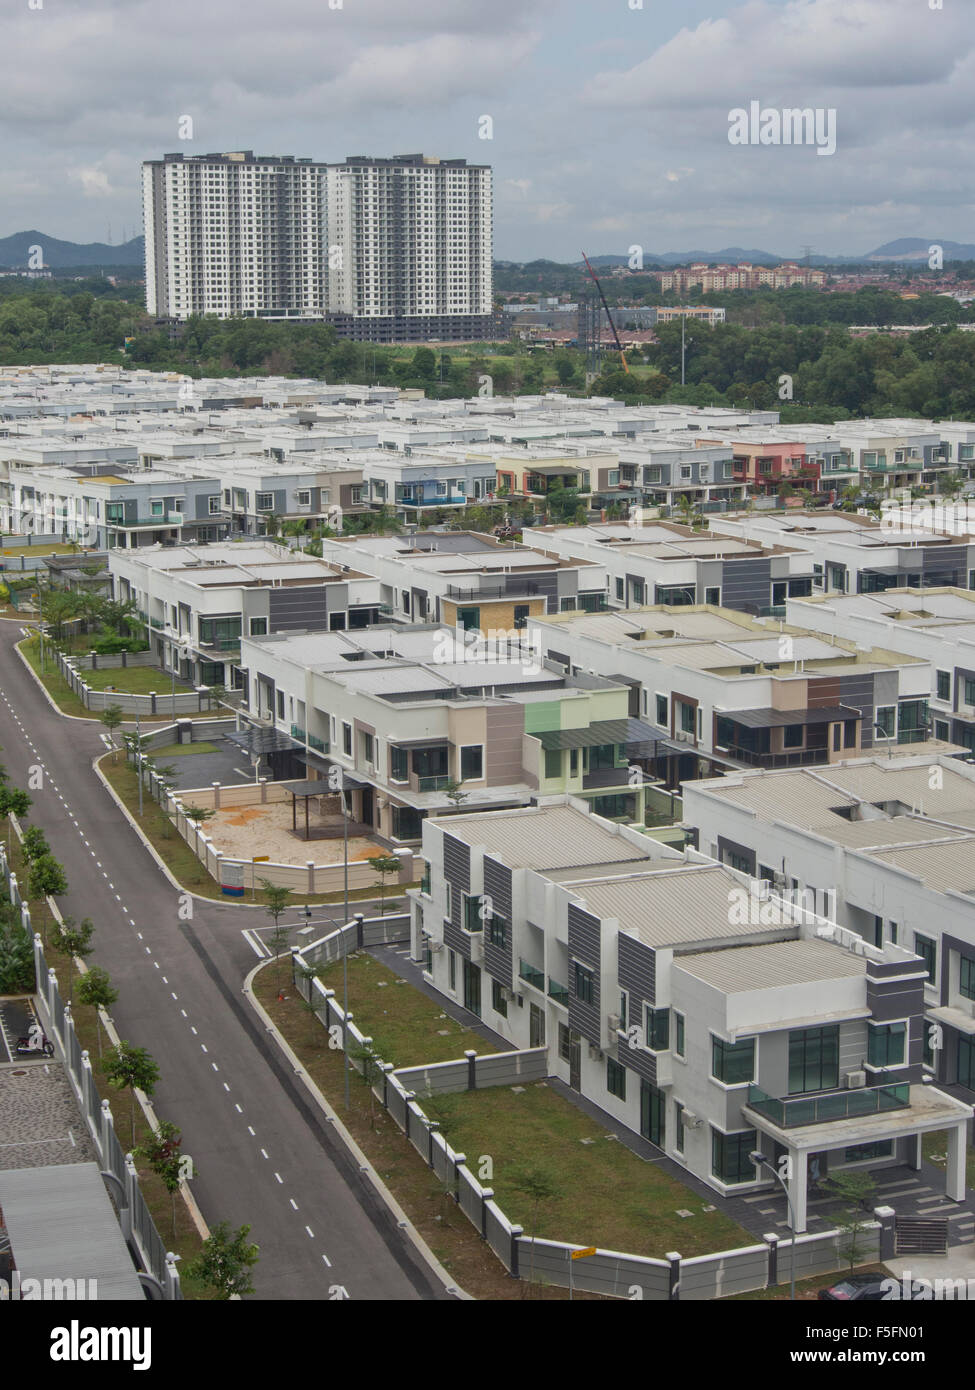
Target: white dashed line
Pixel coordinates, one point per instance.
(293, 1203)
(279, 1177)
(310, 1232)
(250, 1130)
(240, 1112)
(264, 1152)
(202, 1045)
(327, 1261)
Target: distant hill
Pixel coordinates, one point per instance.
(63, 255)
(914, 248)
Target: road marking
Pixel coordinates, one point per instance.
(310, 1232)
(279, 1177)
(240, 1112)
(327, 1261)
(250, 1129)
(213, 1064)
(293, 1203)
(183, 1012)
(192, 1029)
(256, 945)
(203, 1045)
(225, 1086)
(172, 992)
(264, 1152)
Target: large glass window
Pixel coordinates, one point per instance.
(497, 931)
(553, 762)
(814, 1059)
(615, 1079)
(658, 1029)
(928, 951)
(399, 764)
(966, 978)
(678, 1034)
(966, 1062)
(498, 1002)
(886, 1044)
(733, 1063)
(471, 762)
(729, 1156)
(944, 685)
(584, 983)
(214, 630)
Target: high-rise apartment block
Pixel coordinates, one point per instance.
(386, 249)
(234, 234)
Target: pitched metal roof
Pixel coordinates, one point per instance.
(599, 733)
(775, 718)
(744, 968)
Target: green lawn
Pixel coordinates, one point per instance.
(406, 1027)
(606, 1195)
(134, 680)
(52, 548)
(52, 680)
(181, 750)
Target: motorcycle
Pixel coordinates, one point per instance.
(34, 1041)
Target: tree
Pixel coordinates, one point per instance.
(119, 614)
(13, 801)
(95, 989)
(111, 717)
(384, 865)
(162, 1153)
(311, 1005)
(198, 813)
(34, 843)
(16, 952)
(74, 939)
(370, 1071)
(46, 879)
(276, 900)
(452, 791)
(225, 1262)
(128, 1067)
(857, 1191)
(536, 1184)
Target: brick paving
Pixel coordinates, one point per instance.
(40, 1123)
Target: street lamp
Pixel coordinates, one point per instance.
(760, 1161)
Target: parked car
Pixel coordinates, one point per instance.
(870, 1288)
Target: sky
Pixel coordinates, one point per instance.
(609, 119)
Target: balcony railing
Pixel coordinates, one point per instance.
(222, 644)
(298, 733)
(531, 974)
(486, 591)
(836, 1105)
(319, 744)
(560, 993)
(432, 784)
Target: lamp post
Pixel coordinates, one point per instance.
(760, 1161)
(345, 953)
(138, 757)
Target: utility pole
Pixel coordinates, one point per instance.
(345, 952)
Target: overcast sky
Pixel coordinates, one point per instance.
(610, 123)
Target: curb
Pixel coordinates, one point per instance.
(365, 1167)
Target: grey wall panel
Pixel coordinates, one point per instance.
(584, 1017)
(498, 960)
(300, 608)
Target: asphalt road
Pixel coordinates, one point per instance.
(263, 1155)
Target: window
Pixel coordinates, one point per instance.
(584, 983)
(573, 762)
(678, 1034)
(265, 501)
(678, 1127)
(966, 978)
(886, 721)
(927, 949)
(712, 596)
(859, 1153)
(258, 627)
(792, 736)
(732, 1063)
(886, 1044)
(214, 504)
(452, 969)
(473, 921)
(624, 1008)
(944, 685)
(399, 764)
(211, 673)
(521, 611)
(219, 631)
(553, 762)
(347, 739)
(303, 497)
(497, 931)
(620, 590)
(615, 1079)
(969, 691)
(471, 762)
(155, 509)
(730, 1162)
(564, 1043)
(468, 618)
(280, 704)
(658, 1029)
(814, 1059)
(498, 1002)
(662, 714)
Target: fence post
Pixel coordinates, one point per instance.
(329, 996)
(486, 1194)
(459, 1161)
(216, 795)
(772, 1274)
(516, 1233)
(52, 981)
(471, 1056)
(152, 702)
(359, 928)
(885, 1215)
(431, 1126)
(386, 1068)
(171, 1284)
(675, 1258)
(310, 865)
(263, 786)
(409, 1095)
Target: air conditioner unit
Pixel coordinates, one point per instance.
(614, 1021)
(595, 1053)
(506, 993)
(691, 1121)
(856, 1080)
(477, 949)
(436, 945)
(778, 880)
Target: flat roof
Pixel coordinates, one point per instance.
(741, 969)
(545, 837)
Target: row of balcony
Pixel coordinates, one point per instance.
(835, 1105)
(535, 977)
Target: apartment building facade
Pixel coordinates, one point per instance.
(710, 1020)
(234, 235)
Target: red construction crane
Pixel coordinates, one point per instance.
(612, 325)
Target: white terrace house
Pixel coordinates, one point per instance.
(418, 720)
(664, 562)
(889, 848)
(683, 999)
(935, 625)
(725, 690)
(855, 554)
(198, 601)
